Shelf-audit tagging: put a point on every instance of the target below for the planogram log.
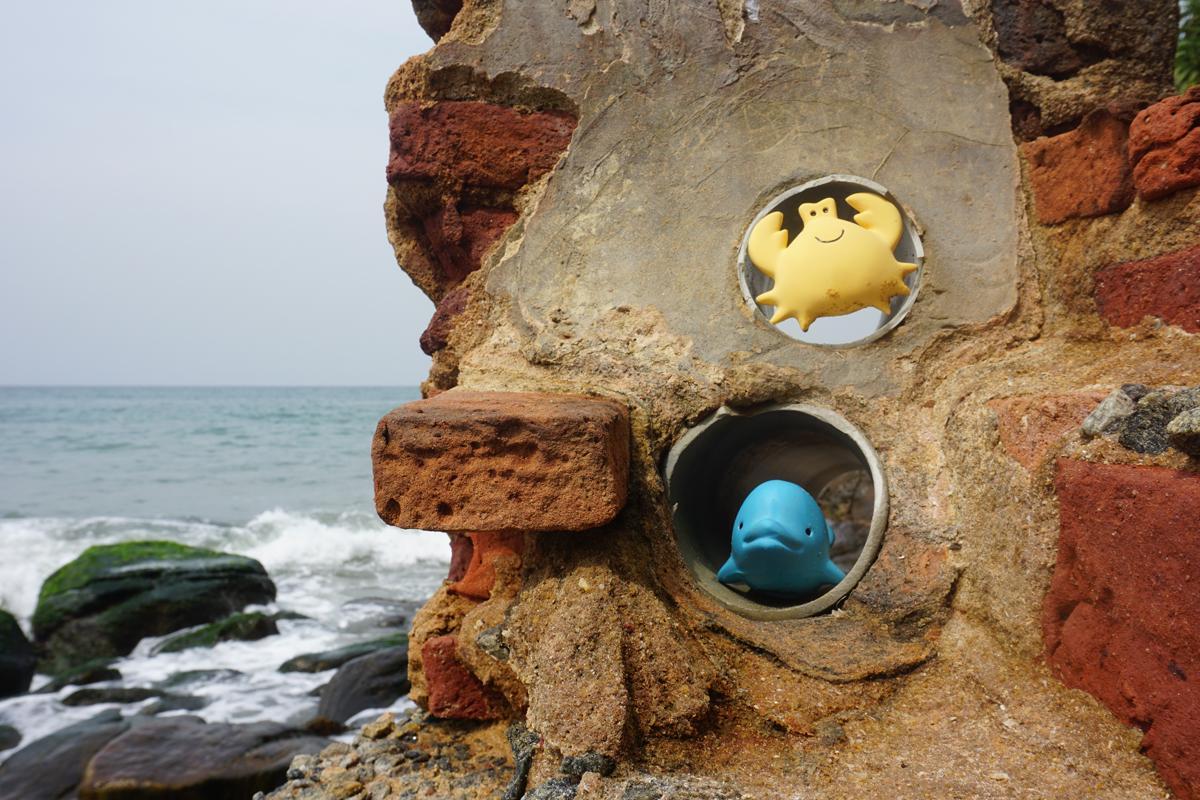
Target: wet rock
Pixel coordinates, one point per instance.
(191, 676)
(1145, 430)
(236, 627)
(1184, 432)
(96, 671)
(50, 768)
(1164, 145)
(331, 659)
(173, 702)
(17, 658)
(375, 613)
(371, 681)
(1110, 414)
(10, 737)
(554, 789)
(1166, 287)
(104, 602)
(185, 757)
(471, 461)
(112, 694)
(575, 766)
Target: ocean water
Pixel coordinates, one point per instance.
(282, 475)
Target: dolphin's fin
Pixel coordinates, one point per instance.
(833, 573)
(829, 530)
(731, 573)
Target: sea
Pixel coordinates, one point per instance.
(282, 475)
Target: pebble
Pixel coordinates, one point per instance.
(1108, 416)
(1184, 432)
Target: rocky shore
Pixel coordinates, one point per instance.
(149, 739)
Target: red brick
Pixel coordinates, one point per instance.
(453, 692)
(457, 143)
(1122, 617)
(1031, 426)
(491, 461)
(1081, 173)
(461, 551)
(1167, 287)
(486, 548)
(1164, 146)
(437, 332)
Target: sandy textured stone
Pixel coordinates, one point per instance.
(1166, 286)
(1030, 427)
(1164, 146)
(471, 461)
(1122, 618)
(1082, 173)
(1184, 432)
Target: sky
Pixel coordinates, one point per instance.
(191, 194)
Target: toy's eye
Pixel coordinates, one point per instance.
(741, 525)
(812, 213)
(808, 531)
(825, 210)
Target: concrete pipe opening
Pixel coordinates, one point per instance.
(847, 330)
(715, 465)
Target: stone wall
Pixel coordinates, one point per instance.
(571, 182)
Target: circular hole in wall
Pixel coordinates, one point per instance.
(858, 327)
(715, 465)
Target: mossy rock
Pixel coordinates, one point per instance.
(240, 627)
(97, 670)
(17, 658)
(331, 659)
(104, 602)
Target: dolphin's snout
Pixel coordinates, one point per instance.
(769, 528)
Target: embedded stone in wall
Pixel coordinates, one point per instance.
(1122, 617)
(437, 333)
(453, 692)
(1167, 287)
(1032, 36)
(1081, 173)
(471, 461)
(1164, 146)
(1031, 426)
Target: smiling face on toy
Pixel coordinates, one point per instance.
(833, 266)
(780, 542)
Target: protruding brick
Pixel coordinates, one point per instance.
(1164, 146)
(437, 332)
(455, 693)
(1031, 426)
(1122, 617)
(1081, 173)
(486, 548)
(471, 461)
(1167, 287)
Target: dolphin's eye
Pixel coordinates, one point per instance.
(808, 531)
(741, 525)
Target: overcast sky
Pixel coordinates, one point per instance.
(191, 192)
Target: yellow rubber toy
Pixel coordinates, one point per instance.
(833, 266)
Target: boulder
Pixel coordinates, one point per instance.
(332, 659)
(104, 602)
(236, 627)
(96, 671)
(371, 681)
(10, 737)
(376, 613)
(183, 758)
(51, 767)
(17, 658)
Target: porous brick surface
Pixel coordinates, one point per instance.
(471, 461)
(1164, 146)
(486, 548)
(1122, 617)
(1167, 287)
(455, 693)
(1081, 173)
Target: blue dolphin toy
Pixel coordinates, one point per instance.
(780, 542)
